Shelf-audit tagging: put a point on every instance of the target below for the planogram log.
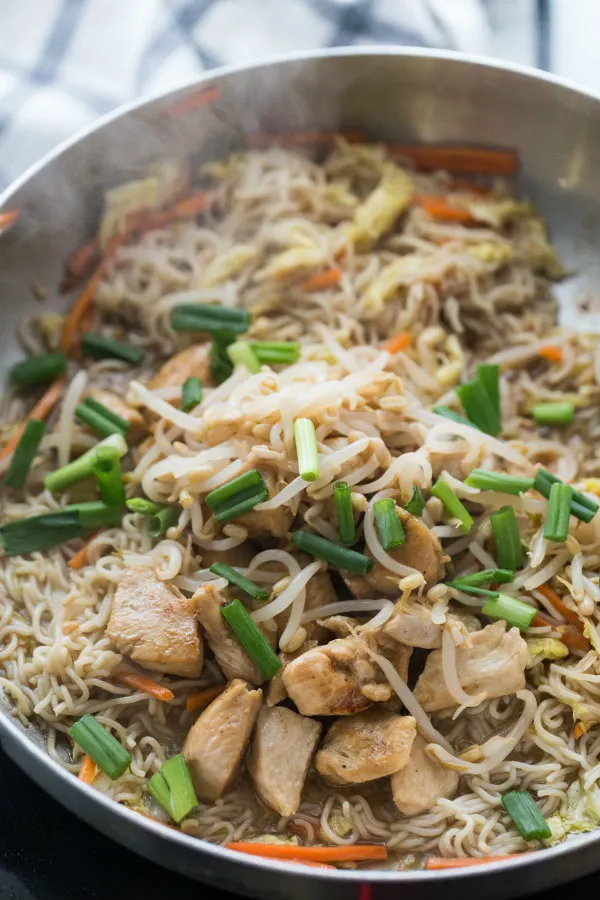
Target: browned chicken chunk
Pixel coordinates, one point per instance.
(193, 361)
(154, 624)
(367, 746)
(494, 664)
(282, 749)
(411, 624)
(231, 657)
(217, 741)
(137, 426)
(276, 692)
(422, 782)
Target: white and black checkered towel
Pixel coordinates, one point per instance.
(63, 63)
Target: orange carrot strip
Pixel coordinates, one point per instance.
(553, 354)
(302, 138)
(41, 410)
(81, 262)
(349, 853)
(435, 863)
(477, 160)
(142, 683)
(80, 559)
(574, 640)
(204, 97)
(397, 343)
(439, 208)
(8, 218)
(202, 698)
(568, 615)
(191, 206)
(322, 280)
(86, 297)
(88, 770)
(580, 729)
(540, 620)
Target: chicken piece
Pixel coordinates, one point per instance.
(422, 782)
(283, 747)
(276, 692)
(367, 746)
(216, 742)
(411, 624)
(341, 626)
(137, 425)
(494, 664)
(193, 361)
(154, 624)
(275, 522)
(319, 592)
(231, 657)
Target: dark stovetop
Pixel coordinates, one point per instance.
(46, 853)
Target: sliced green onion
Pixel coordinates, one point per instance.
(416, 504)
(321, 548)
(582, 507)
(39, 532)
(250, 479)
(391, 530)
(143, 506)
(277, 352)
(241, 354)
(159, 789)
(489, 375)
(100, 744)
(162, 520)
(553, 413)
(221, 366)
(479, 407)
(344, 512)
(38, 369)
(191, 393)
(240, 503)
(471, 589)
(97, 422)
(442, 490)
(486, 576)
(83, 466)
(448, 413)
(107, 469)
(526, 815)
(497, 481)
(556, 527)
(203, 317)
(106, 413)
(182, 796)
(95, 514)
(239, 580)
(514, 612)
(251, 638)
(306, 449)
(24, 454)
(101, 347)
(505, 529)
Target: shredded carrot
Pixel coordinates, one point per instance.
(202, 698)
(82, 261)
(80, 559)
(398, 342)
(552, 597)
(8, 218)
(478, 160)
(82, 304)
(302, 138)
(439, 208)
(88, 770)
(204, 97)
(41, 410)
(541, 620)
(142, 683)
(322, 280)
(580, 729)
(553, 354)
(574, 640)
(349, 853)
(435, 863)
(191, 206)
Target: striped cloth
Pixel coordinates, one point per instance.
(63, 63)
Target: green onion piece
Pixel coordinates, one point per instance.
(553, 413)
(582, 507)
(159, 789)
(241, 354)
(143, 506)
(526, 814)
(251, 638)
(241, 503)
(514, 612)
(448, 413)
(162, 520)
(191, 393)
(106, 413)
(306, 449)
(391, 530)
(251, 479)
(344, 512)
(24, 454)
(39, 532)
(100, 744)
(239, 580)
(277, 352)
(107, 469)
(221, 366)
(182, 796)
(38, 369)
(497, 481)
(202, 317)
(416, 504)
(509, 550)
(100, 347)
(479, 407)
(489, 375)
(486, 576)
(442, 490)
(556, 527)
(95, 421)
(83, 466)
(321, 548)
(95, 514)
(471, 589)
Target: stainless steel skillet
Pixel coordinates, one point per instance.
(424, 96)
